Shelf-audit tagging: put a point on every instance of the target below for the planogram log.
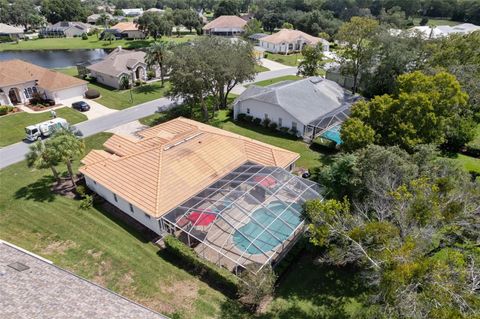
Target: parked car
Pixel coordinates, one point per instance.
(81, 106)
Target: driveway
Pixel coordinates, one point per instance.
(96, 109)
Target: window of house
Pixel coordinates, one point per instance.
(146, 215)
(115, 197)
(131, 207)
(95, 182)
(294, 125)
(248, 111)
(265, 116)
(280, 122)
(290, 46)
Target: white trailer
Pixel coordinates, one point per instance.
(45, 129)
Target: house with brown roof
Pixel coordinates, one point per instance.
(286, 41)
(186, 177)
(20, 81)
(120, 63)
(128, 30)
(229, 26)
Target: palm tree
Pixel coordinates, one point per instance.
(67, 147)
(124, 82)
(157, 54)
(104, 20)
(42, 156)
(109, 36)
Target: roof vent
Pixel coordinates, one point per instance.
(166, 148)
(316, 80)
(18, 266)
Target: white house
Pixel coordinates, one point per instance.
(225, 26)
(134, 12)
(20, 81)
(306, 106)
(11, 31)
(435, 32)
(120, 63)
(286, 41)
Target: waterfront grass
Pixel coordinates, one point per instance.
(12, 127)
(122, 99)
(93, 42)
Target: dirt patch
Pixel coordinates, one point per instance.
(40, 107)
(95, 254)
(126, 284)
(58, 247)
(103, 271)
(66, 188)
(176, 296)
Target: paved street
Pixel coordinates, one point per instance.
(16, 152)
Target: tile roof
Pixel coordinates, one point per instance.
(118, 61)
(306, 100)
(125, 26)
(173, 161)
(9, 29)
(289, 36)
(226, 22)
(17, 71)
(33, 287)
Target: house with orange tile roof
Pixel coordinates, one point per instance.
(128, 30)
(20, 81)
(187, 177)
(229, 26)
(287, 41)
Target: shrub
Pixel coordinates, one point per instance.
(253, 289)
(424, 21)
(248, 118)
(86, 202)
(273, 126)
(138, 82)
(284, 129)
(81, 190)
(84, 36)
(187, 256)
(92, 94)
(241, 117)
(257, 121)
(150, 74)
(294, 131)
(5, 109)
(265, 55)
(266, 122)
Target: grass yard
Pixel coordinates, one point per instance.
(436, 22)
(291, 59)
(120, 99)
(469, 163)
(276, 80)
(12, 127)
(92, 43)
(260, 68)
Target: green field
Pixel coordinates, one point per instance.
(291, 59)
(260, 68)
(121, 99)
(436, 22)
(276, 80)
(469, 163)
(92, 43)
(12, 127)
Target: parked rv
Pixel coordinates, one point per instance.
(45, 129)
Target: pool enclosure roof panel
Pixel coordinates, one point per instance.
(248, 216)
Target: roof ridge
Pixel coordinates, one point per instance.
(157, 193)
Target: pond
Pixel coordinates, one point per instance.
(56, 58)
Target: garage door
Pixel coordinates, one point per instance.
(75, 92)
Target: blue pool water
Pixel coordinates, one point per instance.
(277, 232)
(333, 134)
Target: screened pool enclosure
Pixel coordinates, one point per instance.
(251, 215)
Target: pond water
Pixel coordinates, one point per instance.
(56, 58)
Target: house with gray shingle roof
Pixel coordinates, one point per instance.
(11, 31)
(33, 287)
(308, 106)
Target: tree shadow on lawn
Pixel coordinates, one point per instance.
(146, 89)
(39, 191)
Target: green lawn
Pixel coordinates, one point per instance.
(260, 68)
(476, 140)
(470, 164)
(436, 22)
(92, 43)
(291, 59)
(12, 127)
(121, 99)
(276, 80)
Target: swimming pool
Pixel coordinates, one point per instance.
(333, 134)
(277, 232)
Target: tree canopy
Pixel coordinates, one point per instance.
(59, 10)
(155, 24)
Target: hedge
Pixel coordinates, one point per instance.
(206, 269)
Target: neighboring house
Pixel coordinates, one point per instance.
(92, 19)
(11, 32)
(120, 63)
(256, 37)
(155, 10)
(204, 184)
(129, 30)
(65, 29)
(34, 287)
(306, 107)
(20, 80)
(135, 12)
(286, 41)
(225, 26)
(334, 73)
(428, 32)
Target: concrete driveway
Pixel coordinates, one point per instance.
(96, 109)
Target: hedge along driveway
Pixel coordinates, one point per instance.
(122, 99)
(12, 127)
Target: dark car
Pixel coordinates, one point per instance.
(81, 106)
